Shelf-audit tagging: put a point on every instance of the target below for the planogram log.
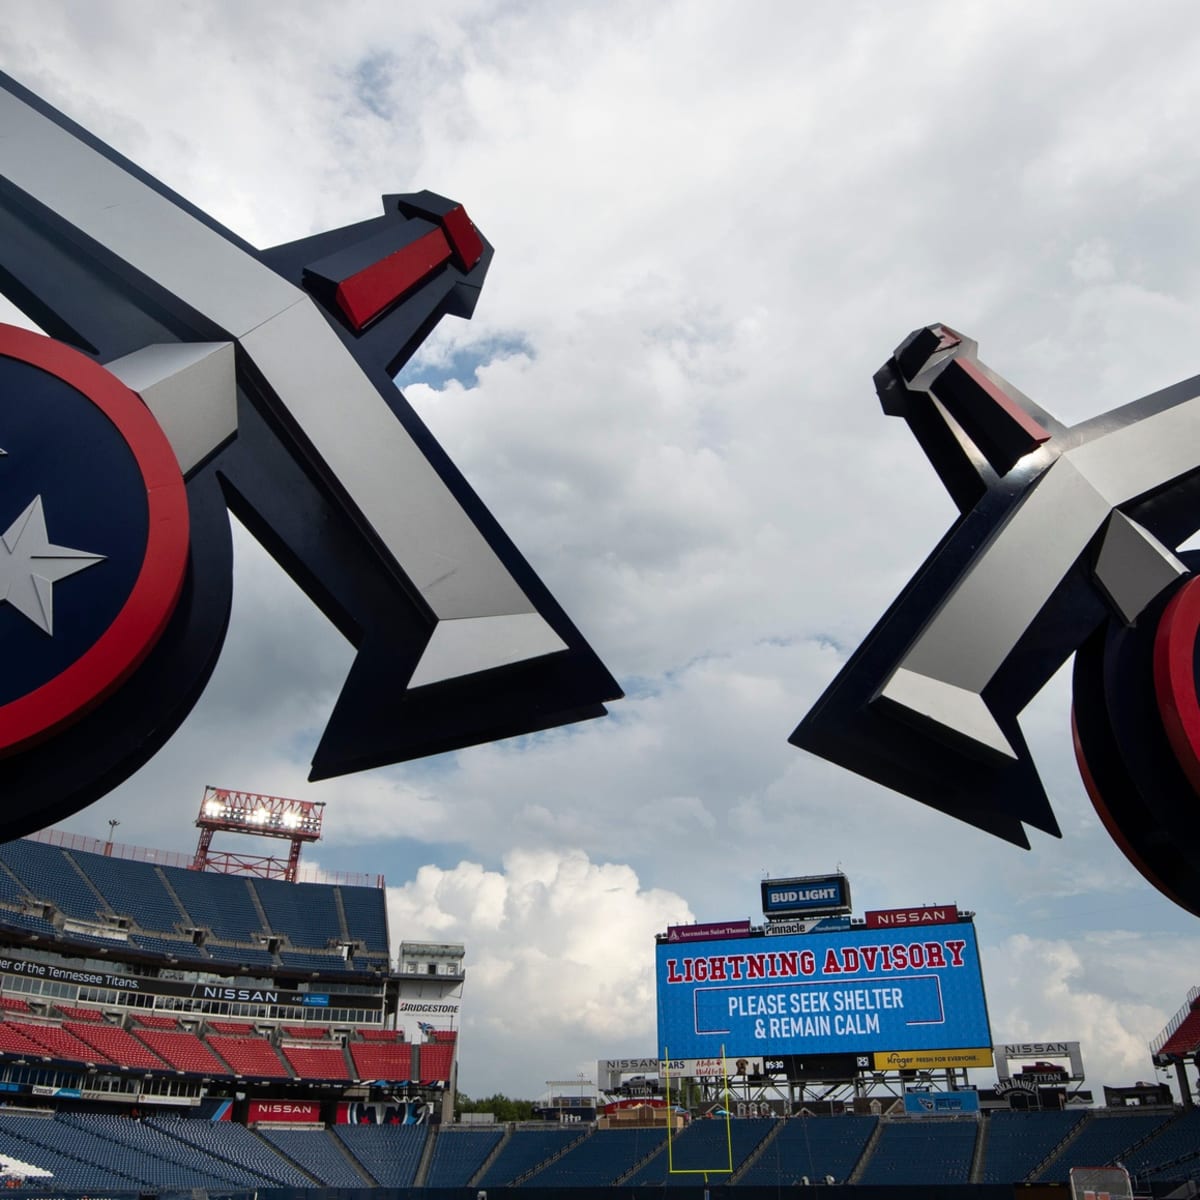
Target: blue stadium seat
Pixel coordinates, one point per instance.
(234, 1144)
(220, 903)
(68, 1172)
(1018, 1142)
(1172, 1153)
(526, 1150)
(922, 1151)
(64, 1135)
(305, 913)
(366, 917)
(318, 1153)
(459, 1153)
(132, 889)
(706, 1147)
(1102, 1141)
(47, 872)
(390, 1154)
(814, 1147)
(602, 1158)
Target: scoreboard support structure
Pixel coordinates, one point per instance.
(756, 1096)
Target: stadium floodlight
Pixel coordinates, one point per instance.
(228, 811)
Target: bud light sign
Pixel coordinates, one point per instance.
(807, 895)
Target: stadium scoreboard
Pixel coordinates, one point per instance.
(868, 992)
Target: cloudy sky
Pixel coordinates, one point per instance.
(712, 224)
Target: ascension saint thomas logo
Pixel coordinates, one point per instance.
(225, 378)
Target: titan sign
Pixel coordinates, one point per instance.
(187, 375)
(807, 895)
(857, 992)
(1067, 542)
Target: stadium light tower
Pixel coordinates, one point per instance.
(298, 821)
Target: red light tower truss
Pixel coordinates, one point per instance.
(298, 821)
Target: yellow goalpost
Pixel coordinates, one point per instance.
(727, 1167)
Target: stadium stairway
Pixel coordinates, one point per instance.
(1176, 1144)
(426, 1157)
(162, 875)
(757, 1152)
(343, 925)
(102, 905)
(588, 1131)
(319, 1154)
(258, 906)
(1075, 1131)
(868, 1153)
(661, 1148)
(980, 1157)
(486, 1165)
(1103, 1138)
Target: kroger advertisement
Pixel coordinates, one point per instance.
(856, 991)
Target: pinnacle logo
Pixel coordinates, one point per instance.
(188, 374)
(1065, 543)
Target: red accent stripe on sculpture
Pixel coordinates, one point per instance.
(370, 291)
(1175, 677)
(1115, 829)
(1033, 430)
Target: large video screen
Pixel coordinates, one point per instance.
(852, 991)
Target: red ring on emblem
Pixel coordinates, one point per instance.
(1175, 677)
(120, 649)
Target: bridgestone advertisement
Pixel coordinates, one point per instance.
(854, 992)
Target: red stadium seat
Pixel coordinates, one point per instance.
(249, 1056)
(378, 1060)
(317, 1062)
(436, 1060)
(117, 1045)
(184, 1051)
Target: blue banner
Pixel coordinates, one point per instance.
(858, 991)
(940, 1104)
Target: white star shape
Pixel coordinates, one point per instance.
(30, 566)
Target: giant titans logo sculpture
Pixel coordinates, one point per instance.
(1064, 543)
(188, 373)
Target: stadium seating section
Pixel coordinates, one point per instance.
(1172, 1153)
(1018, 1142)
(598, 1161)
(317, 1062)
(88, 1150)
(1101, 1141)
(389, 1154)
(813, 1148)
(919, 1152)
(184, 1051)
(382, 1060)
(158, 1045)
(1186, 1038)
(253, 1057)
(458, 1154)
(175, 914)
(525, 1151)
(319, 1153)
(707, 1147)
